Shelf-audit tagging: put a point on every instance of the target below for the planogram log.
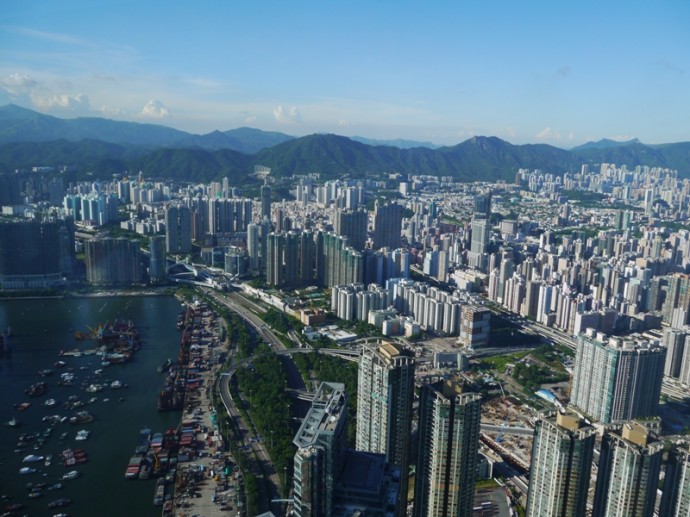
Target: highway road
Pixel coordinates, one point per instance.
(270, 488)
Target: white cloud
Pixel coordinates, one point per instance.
(548, 134)
(73, 103)
(109, 111)
(621, 138)
(283, 116)
(250, 120)
(17, 85)
(154, 109)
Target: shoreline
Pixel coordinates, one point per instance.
(154, 291)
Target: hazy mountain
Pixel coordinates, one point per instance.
(604, 143)
(398, 142)
(23, 125)
(234, 153)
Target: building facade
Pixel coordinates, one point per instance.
(321, 445)
(628, 473)
(562, 454)
(448, 443)
(384, 406)
(113, 261)
(675, 501)
(615, 379)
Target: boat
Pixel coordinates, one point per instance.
(55, 486)
(82, 435)
(35, 493)
(94, 388)
(82, 417)
(45, 372)
(159, 493)
(36, 389)
(72, 474)
(48, 460)
(32, 458)
(57, 503)
(23, 406)
(27, 470)
(50, 402)
(66, 379)
(116, 385)
(133, 467)
(13, 422)
(165, 366)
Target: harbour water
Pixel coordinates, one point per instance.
(40, 329)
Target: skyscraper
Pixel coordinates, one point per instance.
(265, 202)
(353, 224)
(30, 254)
(674, 340)
(321, 442)
(618, 379)
(480, 228)
(178, 229)
(561, 462)
(157, 264)
(387, 225)
(448, 444)
(628, 474)
(384, 406)
(675, 501)
(113, 261)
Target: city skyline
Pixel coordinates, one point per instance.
(537, 73)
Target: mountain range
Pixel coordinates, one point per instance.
(102, 147)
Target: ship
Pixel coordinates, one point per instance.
(82, 417)
(165, 366)
(133, 467)
(57, 503)
(72, 474)
(36, 389)
(159, 493)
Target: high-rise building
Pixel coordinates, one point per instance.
(385, 392)
(628, 473)
(480, 228)
(178, 229)
(254, 247)
(275, 272)
(265, 202)
(113, 261)
(675, 501)
(30, 254)
(387, 225)
(482, 204)
(475, 326)
(562, 454)
(353, 224)
(448, 442)
(321, 444)
(674, 340)
(157, 263)
(617, 380)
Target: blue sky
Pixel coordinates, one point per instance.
(552, 72)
